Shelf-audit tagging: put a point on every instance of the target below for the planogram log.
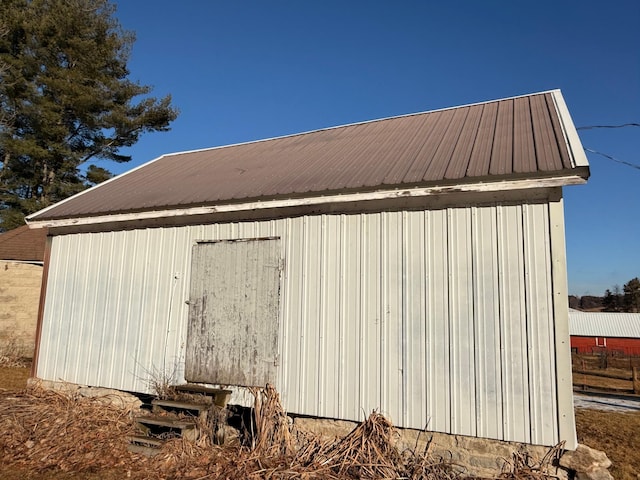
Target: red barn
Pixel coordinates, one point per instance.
(592, 332)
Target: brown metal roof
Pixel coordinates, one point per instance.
(512, 138)
(23, 244)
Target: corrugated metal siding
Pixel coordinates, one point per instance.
(439, 319)
(520, 137)
(604, 324)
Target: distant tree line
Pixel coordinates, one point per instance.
(625, 299)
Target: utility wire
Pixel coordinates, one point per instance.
(629, 164)
(590, 127)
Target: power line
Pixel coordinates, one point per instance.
(590, 127)
(629, 164)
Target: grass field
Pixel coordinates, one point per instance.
(618, 434)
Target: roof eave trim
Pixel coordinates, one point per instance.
(576, 178)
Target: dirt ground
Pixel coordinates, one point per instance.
(618, 434)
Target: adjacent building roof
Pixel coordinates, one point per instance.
(530, 136)
(604, 324)
(23, 244)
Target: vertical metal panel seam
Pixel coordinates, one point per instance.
(303, 313)
(423, 244)
(105, 306)
(531, 382)
(501, 320)
(139, 330)
(322, 345)
(343, 247)
(383, 309)
(130, 301)
(362, 320)
(449, 365)
(501, 313)
(403, 316)
(474, 311)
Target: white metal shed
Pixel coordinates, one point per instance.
(414, 265)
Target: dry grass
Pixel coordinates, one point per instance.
(13, 352)
(12, 378)
(617, 434)
(51, 436)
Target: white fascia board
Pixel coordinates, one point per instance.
(578, 157)
(318, 200)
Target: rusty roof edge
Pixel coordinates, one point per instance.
(574, 145)
(570, 177)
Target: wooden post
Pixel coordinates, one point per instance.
(636, 381)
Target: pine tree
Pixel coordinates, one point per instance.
(632, 295)
(612, 301)
(65, 98)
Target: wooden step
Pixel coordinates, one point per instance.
(220, 396)
(195, 409)
(146, 441)
(176, 423)
(146, 445)
(183, 428)
(148, 451)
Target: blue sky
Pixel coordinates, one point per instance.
(247, 70)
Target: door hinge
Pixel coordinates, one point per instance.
(276, 361)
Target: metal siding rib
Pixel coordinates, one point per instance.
(370, 375)
(309, 380)
(461, 304)
(515, 390)
(416, 322)
(488, 373)
(439, 334)
(350, 366)
(543, 409)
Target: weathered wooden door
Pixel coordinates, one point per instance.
(232, 336)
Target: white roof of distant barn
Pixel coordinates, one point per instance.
(604, 324)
